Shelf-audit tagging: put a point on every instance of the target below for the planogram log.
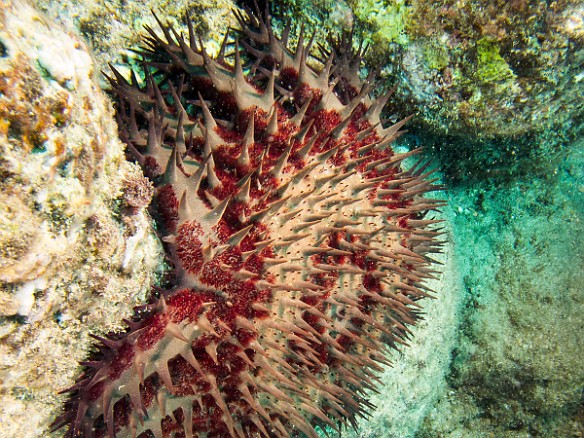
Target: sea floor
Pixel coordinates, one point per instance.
(516, 368)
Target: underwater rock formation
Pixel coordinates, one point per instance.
(479, 66)
(75, 239)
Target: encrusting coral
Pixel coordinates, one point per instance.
(300, 243)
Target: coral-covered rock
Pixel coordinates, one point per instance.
(69, 252)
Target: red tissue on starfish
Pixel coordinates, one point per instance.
(299, 241)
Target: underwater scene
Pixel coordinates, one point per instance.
(293, 218)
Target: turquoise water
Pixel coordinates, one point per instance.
(516, 366)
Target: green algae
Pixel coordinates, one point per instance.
(492, 67)
(389, 19)
(436, 56)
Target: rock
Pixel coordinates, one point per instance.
(76, 245)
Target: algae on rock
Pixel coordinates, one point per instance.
(76, 248)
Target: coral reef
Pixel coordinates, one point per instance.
(75, 240)
(300, 243)
(76, 251)
(508, 69)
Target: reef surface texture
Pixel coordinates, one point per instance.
(76, 249)
(482, 66)
(300, 242)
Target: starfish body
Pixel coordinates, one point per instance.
(299, 242)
